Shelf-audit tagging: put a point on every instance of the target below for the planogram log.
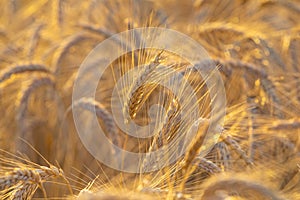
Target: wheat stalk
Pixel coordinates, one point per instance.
(34, 40)
(241, 65)
(101, 112)
(58, 12)
(23, 98)
(63, 49)
(6, 73)
(97, 30)
(235, 145)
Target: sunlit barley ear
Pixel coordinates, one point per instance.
(215, 36)
(58, 12)
(230, 64)
(138, 92)
(34, 99)
(188, 167)
(97, 30)
(236, 147)
(206, 165)
(64, 48)
(25, 191)
(255, 77)
(23, 98)
(261, 53)
(287, 85)
(203, 165)
(200, 170)
(279, 149)
(222, 187)
(221, 155)
(168, 130)
(289, 176)
(173, 125)
(27, 122)
(287, 7)
(102, 113)
(9, 71)
(170, 123)
(293, 50)
(20, 178)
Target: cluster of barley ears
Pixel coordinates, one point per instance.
(255, 45)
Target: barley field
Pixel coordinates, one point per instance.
(231, 132)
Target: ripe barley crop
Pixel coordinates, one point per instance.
(159, 98)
